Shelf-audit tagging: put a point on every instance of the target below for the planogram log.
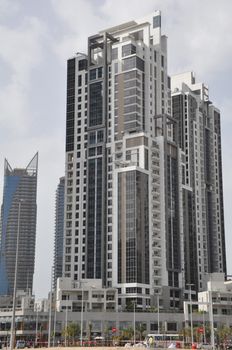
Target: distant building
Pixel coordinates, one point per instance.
(24, 301)
(87, 294)
(41, 305)
(29, 318)
(220, 292)
(59, 231)
(18, 213)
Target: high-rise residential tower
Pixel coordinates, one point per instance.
(199, 137)
(18, 214)
(123, 199)
(59, 231)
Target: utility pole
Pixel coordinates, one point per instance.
(191, 309)
(12, 333)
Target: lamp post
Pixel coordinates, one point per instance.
(6, 339)
(134, 323)
(36, 325)
(12, 333)
(191, 310)
(158, 312)
(66, 324)
(211, 315)
(82, 302)
(54, 329)
(204, 337)
(50, 314)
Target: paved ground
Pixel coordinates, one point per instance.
(89, 348)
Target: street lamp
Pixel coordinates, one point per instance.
(191, 310)
(54, 329)
(211, 314)
(50, 313)
(66, 324)
(158, 311)
(12, 333)
(82, 302)
(134, 323)
(36, 325)
(204, 337)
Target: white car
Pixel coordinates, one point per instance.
(139, 345)
(20, 344)
(205, 346)
(127, 345)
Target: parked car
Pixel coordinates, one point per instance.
(139, 345)
(205, 346)
(20, 344)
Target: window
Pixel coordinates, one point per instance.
(82, 64)
(95, 104)
(128, 49)
(93, 74)
(162, 61)
(100, 136)
(156, 21)
(114, 53)
(133, 62)
(99, 72)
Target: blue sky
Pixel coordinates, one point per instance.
(37, 37)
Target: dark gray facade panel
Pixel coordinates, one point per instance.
(70, 109)
(133, 228)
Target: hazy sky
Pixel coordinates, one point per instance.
(36, 39)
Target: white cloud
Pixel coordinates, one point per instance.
(21, 47)
(13, 110)
(21, 51)
(24, 40)
(7, 8)
(80, 19)
(200, 39)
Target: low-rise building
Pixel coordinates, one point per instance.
(219, 292)
(95, 308)
(28, 321)
(87, 295)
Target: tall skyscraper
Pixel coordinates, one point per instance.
(199, 137)
(59, 231)
(18, 213)
(123, 194)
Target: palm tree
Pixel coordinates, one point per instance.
(128, 333)
(186, 333)
(223, 333)
(71, 331)
(129, 306)
(90, 327)
(140, 329)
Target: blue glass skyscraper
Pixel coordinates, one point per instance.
(20, 185)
